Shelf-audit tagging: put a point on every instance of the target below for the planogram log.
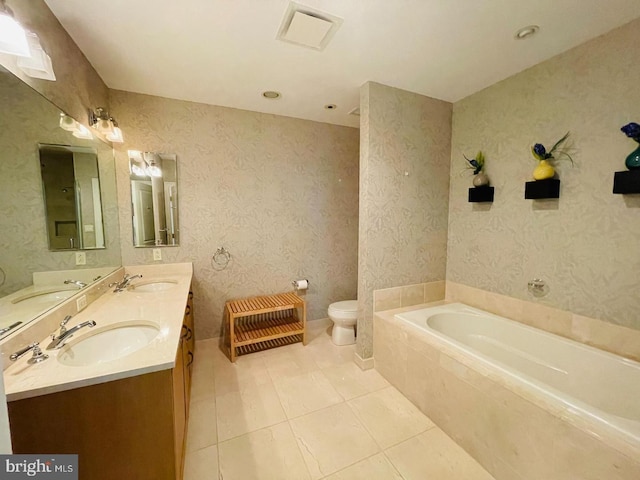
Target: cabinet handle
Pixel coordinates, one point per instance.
(187, 310)
(190, 358)
(185, 331)
(190, 295)
(189, 334)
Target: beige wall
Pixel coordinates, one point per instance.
(404, 184)
(78, 86)
(586, 244)
(281, 194)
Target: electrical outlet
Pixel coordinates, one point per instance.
(157, 254)
(81, 258)
(81, 302)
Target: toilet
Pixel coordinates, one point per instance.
(344, 316)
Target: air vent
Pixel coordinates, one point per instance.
(307, 27)
(355, 111)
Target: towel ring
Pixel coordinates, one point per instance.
(220, 259)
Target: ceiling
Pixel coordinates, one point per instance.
(224, 52)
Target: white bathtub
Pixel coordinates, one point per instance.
(599, 386)
(526, 404)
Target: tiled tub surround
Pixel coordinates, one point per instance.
(513, 430)
(165, 309)
(607, 336)
(408, 295)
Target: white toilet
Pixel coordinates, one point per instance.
(344, 316)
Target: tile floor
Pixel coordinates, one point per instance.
(310, 413)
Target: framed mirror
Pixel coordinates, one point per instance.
(154, 198)
(73, 205)
(32, 276)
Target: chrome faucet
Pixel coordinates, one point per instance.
(37, 356)
(75, 282)
(64, 335)
(124, 283)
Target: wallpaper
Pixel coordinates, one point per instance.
(78, 86)
(585, 245)
(280, 194)
(28, 119)
(404, 187)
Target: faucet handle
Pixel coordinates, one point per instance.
(37, 356)
(65, 321)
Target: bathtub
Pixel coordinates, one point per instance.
(525, 403)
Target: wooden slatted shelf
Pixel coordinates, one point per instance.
(263, 322)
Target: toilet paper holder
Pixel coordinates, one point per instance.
(302, 284)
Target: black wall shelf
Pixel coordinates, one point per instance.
(481, 194)
(539, 189)
(626, 182)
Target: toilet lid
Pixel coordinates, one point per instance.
(346, 306)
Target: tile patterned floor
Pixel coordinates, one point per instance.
(309, 413)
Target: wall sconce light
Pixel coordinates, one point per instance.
(105, 124)
(77, 130)
(151, 159)
(145, 164)
(13, 38)
(38, 65)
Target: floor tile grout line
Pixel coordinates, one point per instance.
(412, 436)
(393, 464)
(295, 437)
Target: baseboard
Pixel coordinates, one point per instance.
(363, 363)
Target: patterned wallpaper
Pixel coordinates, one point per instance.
(586, 245)
(281, 194)
(78, 86)
(28, 119)
(404, 186)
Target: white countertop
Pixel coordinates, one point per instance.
(165, 309)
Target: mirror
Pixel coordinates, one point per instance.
(31, 275)
(73, 207)
(154, 197)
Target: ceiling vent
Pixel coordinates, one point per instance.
(307, 27)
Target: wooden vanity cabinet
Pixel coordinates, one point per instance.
(133, 428)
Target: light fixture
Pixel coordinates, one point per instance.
(38, 65)
(115, 136)
(83, 132)
(151, 159)
(105, 124)
(67, 123)
(77, 130)
(13, 38)
(526, 32)
(270, 94)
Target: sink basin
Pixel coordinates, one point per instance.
(108, 344)
(46, 296)
(154, 286)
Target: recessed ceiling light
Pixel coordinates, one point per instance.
(330, 106)
(271, 94)
(526, 32)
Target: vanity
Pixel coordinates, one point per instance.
(117, 393)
